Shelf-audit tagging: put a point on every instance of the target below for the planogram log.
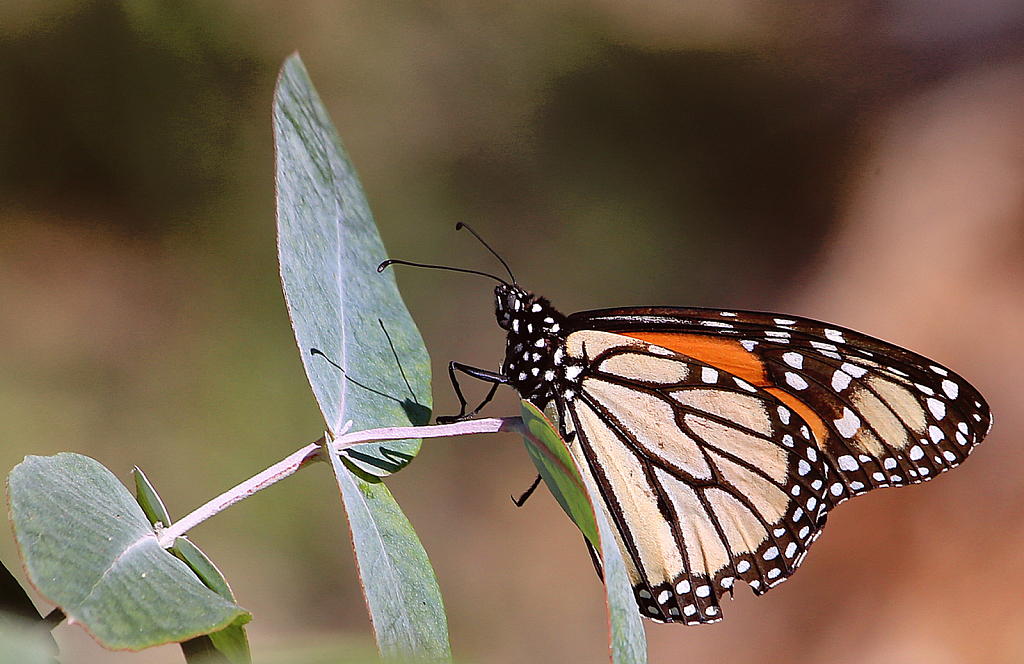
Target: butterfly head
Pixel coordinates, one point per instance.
(509, 303)
(523, 313)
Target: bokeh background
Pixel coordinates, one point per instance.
(856, 161)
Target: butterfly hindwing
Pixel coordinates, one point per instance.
(709, 479)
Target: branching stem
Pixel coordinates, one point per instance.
(315, 452)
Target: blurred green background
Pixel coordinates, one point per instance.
(861, 162)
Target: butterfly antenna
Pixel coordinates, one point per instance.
(394, 261)
(460, 226)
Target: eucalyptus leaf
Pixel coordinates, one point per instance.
(363, 355)
(150, 502)
(231, 641)
(578, 495)
(401, 590)
(89, 548)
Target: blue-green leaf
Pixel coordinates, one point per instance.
(379, 372)
(231, 641)
(369, 364)
(400, 587)
(89, 548)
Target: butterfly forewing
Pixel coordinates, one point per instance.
(709, 479)
(882, 415)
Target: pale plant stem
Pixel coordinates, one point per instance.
(314, 452)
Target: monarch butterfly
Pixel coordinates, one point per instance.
(720, 440)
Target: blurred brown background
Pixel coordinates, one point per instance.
(860, 162)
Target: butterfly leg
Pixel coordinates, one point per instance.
(519, 502)
(480, 374)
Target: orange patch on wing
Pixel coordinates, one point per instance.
(813, 420)
(729, 355)
(725, 354)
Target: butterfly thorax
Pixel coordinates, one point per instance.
(534, 352)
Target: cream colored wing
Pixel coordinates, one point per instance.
(708, 478)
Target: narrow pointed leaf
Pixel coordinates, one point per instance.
(579, 497)
(89, 548)
(400, 587)
(370, 364)
(149, 500)
(231, 641)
